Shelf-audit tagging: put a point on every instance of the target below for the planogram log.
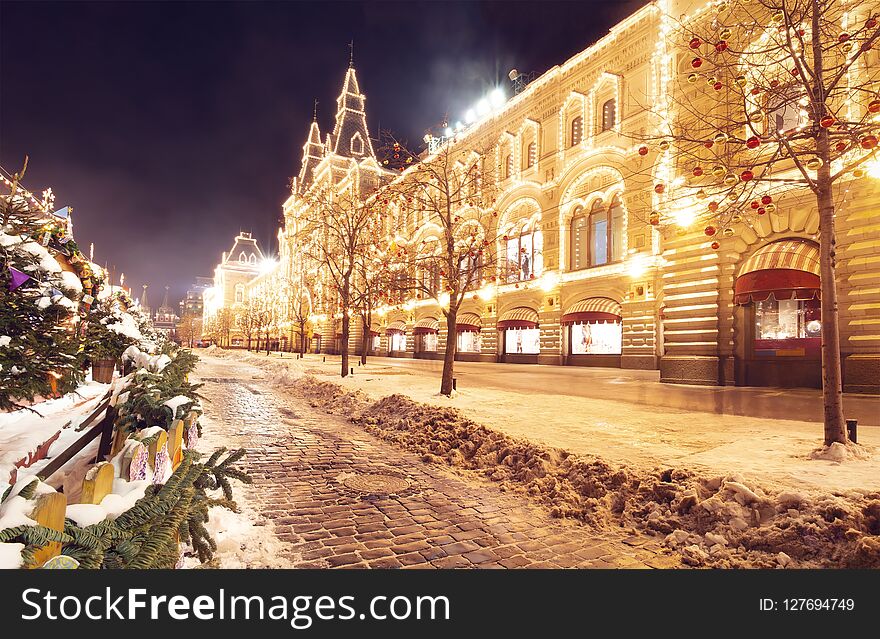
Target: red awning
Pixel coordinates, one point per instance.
(781, 283)
(395, 327)
(520, 317)
(593, 309)
(783, 269)
(374, 333)
(426, 325)
(468, 322)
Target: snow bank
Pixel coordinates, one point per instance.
(710, 520)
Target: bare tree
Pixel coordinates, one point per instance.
(249, 318)
(371, 279)
(341, 226)
(453, 191)
(223, 324)
(188, 328)
(777, 95)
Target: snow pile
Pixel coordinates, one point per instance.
(840, 453)
(24, 432)
(125, 325)
(141, 359)
(717, 521)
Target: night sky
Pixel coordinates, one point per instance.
(169, 126)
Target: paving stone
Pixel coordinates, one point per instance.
(448, 520)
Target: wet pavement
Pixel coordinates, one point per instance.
(639, 387)
(343, 498)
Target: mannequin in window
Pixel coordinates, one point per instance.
(525, 266)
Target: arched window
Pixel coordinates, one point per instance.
(508, 165)
(470, 271)
(239, 292)
(531, 154)
(609, 115)
(577, 131)
(472, 181)
(596, 236)
(524, 254)
(357, 144)
(242, 258)
(253, 258)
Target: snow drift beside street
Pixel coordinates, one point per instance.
(721, 520)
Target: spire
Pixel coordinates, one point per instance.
(313, 151)
(144, 303)
(165, 299)
(351, 54)
(351, 138)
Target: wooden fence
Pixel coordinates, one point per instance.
(51, 508)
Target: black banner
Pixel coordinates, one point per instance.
(416, 603)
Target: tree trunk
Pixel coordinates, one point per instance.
(449, 354)
(832, 387)
(346, 326)
(365, 340)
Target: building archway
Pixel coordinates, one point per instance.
(519, 337)
(779, 312)
(593, 332)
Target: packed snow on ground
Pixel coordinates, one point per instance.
(24, 430)
(244, 538)
(745, 492)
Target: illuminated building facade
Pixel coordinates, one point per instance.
(594, 283)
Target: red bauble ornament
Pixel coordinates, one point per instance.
(708, 144)
(504, 238)
(697, 63)
(654, 219)
(774, 84)
(871, 23)
(746, 175)
(721, 46)
(643, 150)
(756, 91)
(843, 37)
(761, 211)
(840, 147)
(531, 276)
(698, 171)
(753, 142)
(766, 199)
(710, 231)
(874, 106)
(715, 246)
(713, 206)
(695, 43)
(659, 188)
(516, 285)
(868, 142)
(794, 72)
(754, 204)
(827, 121)
(717, 86)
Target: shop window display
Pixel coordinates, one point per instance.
(596, 338)
(428, 342)
(787, 327)
(522, 341)
(469, 342)
(397, 341)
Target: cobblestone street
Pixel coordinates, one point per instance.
(342, 498)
